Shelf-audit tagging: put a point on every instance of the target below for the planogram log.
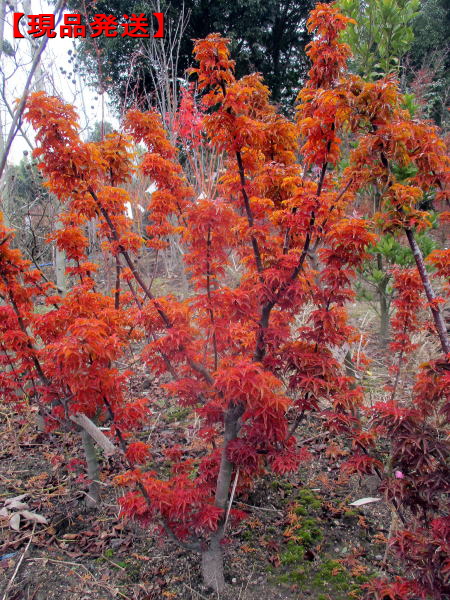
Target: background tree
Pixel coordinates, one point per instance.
(31, 210)
(268, 37)
(428, 61)
(381, 35)
(99, 130)
(380, 38)
(413, 34)
(376, 285)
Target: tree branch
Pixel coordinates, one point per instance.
(96, 434)
(15, 125)
(434, 307)
(249, 213)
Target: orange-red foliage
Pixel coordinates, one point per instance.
(236, 353)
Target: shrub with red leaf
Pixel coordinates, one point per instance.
(236, 353)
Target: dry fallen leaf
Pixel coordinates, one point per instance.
(363, 501)
(9, 501)
(16, 503)
(32, 516)
(14, 522)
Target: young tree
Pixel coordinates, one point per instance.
(376, 286)
(417, 481)
(228, 350)
(379, 39)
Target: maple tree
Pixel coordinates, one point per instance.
(416, 430)
(236, 354)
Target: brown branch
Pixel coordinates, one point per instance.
(267, 308)
(129, 262)
(295, 424)
(260, 350)
(429, 291)
(96, 434)
(136, 299)
(434, 307)
(117, 288)
(208, 291)
(249, 213)
(339, 196)
(287, 235)
(22, 326)
(165, 318)
(13, 369)
(5, 239)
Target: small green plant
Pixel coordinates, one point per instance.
(309, 500)
(304, 531)
(334, 581)
(177, 413)
(293, 554)
(328, 580)
(277, 484)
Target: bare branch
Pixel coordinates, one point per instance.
(16, 122)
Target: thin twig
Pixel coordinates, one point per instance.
(19, 562)
(195, 591)
(280, 512)
(16, 122)
(113, 563)
(233, 490)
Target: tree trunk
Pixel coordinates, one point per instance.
(384, 316)
(212, 556)
(93, 469)
(60, 266)
(212, 566)
(384, 321)
(431, 296)
(384, 305)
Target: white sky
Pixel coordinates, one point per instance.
(69, 86)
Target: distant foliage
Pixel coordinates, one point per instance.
(381, 36)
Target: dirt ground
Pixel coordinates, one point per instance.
(301, 538)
